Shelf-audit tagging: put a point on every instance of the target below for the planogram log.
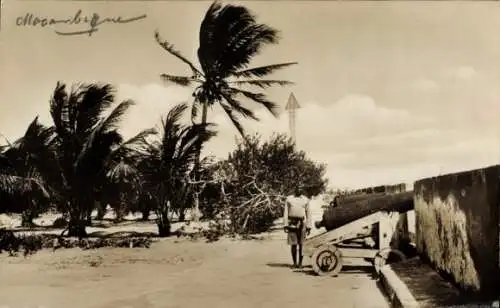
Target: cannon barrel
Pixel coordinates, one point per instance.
(345, 213)
(350, 200)
(355, 198)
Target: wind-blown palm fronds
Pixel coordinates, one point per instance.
(17, 185)
(24, 165)
(229, 39)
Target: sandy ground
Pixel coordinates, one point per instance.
(178, 272)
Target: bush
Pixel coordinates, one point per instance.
(12, 244)
(248, 189)
(29, 244)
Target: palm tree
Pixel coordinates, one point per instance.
(88, 145)
(23, 165)
(32, 158)
(14, 187)
(168, 161)
(229, 38)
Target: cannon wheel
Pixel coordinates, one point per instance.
(387, 256)
(327, 260)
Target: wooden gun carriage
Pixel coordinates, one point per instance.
(358, 227)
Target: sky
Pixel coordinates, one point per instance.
(390, 92)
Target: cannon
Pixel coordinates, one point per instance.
(362, 228)
(358, 197)
(354, 207)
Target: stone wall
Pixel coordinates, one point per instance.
(457, 227)
(401, 236)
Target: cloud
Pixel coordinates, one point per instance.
(465, 72)
(152, 101)
(361, 142)
(425, 85)
(467, 99)
(462, 73)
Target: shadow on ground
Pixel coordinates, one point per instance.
(35, 228)
(346, 269)
(279, 265)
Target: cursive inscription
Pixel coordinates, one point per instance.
(89, 23)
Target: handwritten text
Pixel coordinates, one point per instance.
(90, 23)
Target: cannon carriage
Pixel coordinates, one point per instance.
(361, 226)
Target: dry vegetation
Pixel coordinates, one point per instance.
(442, 235)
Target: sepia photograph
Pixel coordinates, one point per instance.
(251, 154)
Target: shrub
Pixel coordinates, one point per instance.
(248, 189)
(29, 244)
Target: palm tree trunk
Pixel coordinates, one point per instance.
(164, 226)
(27, 218)
(76, 228)
(164, 229)
(29, 213)
(182, 214)
(196, 210)
(101, 211)
(163, 222)
(88, 218)
(77, 220)
(145, 214)
(119, 211)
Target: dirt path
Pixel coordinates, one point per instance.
(179, 274)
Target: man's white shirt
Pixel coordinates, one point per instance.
(297, 207)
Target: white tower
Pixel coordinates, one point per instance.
(292, 105)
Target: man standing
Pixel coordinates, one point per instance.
(297, 222)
